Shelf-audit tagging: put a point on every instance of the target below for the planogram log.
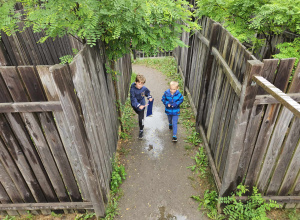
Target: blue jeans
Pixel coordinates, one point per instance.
(173, 119)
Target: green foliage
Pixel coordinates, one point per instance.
(85, 216)
(289, 49)
(66, 59)
(210, 203)
(147, 25)
(128, 120)
(193, 138)
(201, 163)
(293, 214)
(254, 208)
(247, 18)
(53, 214)
(117, 176)
(8, 217)
(29, 216)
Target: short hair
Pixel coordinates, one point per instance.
(140, 78)
(174, 83)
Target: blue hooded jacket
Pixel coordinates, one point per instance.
(137, 96)
(174, 100)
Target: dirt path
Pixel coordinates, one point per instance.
(157, 185)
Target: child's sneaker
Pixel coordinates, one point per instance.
(174, 138)
(141, 135)
(170, 127)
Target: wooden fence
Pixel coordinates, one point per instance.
(58, 132)
(21, 48)
(250, 136)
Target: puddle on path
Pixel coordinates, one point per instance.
(154, 126)
(168, 216)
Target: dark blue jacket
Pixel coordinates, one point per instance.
(137, 96)
(174, 100)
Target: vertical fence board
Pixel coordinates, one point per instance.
(281, 80)
(84, 89)
(290, 143)
(36, 94)
(82, 144)
(255, 120)
(64, 131)
(246, 103)
(18, 93)
(10, 187)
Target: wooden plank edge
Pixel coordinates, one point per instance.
(191, 101)
(281, 199)
(234, 82)
(41, 206)
(202, 38)
(283, 98)
(269, 99)
(30, 106)
(211, 160)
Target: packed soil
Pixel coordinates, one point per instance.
(158, 184)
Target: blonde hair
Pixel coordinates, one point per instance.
(174, 83)
(140, 78)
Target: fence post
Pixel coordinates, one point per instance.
(247, 98)
(207, 71)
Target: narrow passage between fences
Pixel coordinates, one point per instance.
(158, 184)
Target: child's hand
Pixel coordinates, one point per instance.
(169, 105)
(150, 99)
(141, 107)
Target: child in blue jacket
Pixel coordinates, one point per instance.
(138, 92)
(172, 99)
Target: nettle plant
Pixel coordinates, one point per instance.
(148, 25)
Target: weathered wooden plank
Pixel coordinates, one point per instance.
(51, 206)
(4, 199)
(35, 91)
(267, 125)
(237, 137)
(63, 128)
(10, 187)
(9, 49)
(99, 80)
(15, 174)
(269, 99)
(13, 40)
(39, 57)
(268, 72)
(275, 146)
(281, 199)
(84, 89)
(30, 107)
(283, 98)
(207, 73)
(82, 144)
(27, 147)
(32, 124)
(4, 60)
(291, 177)
(236, 85)
(228, 109)
(20, 160)
(289, 144)
(210, 159)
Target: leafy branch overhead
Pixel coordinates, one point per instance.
(146, 24)
(246, 19)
